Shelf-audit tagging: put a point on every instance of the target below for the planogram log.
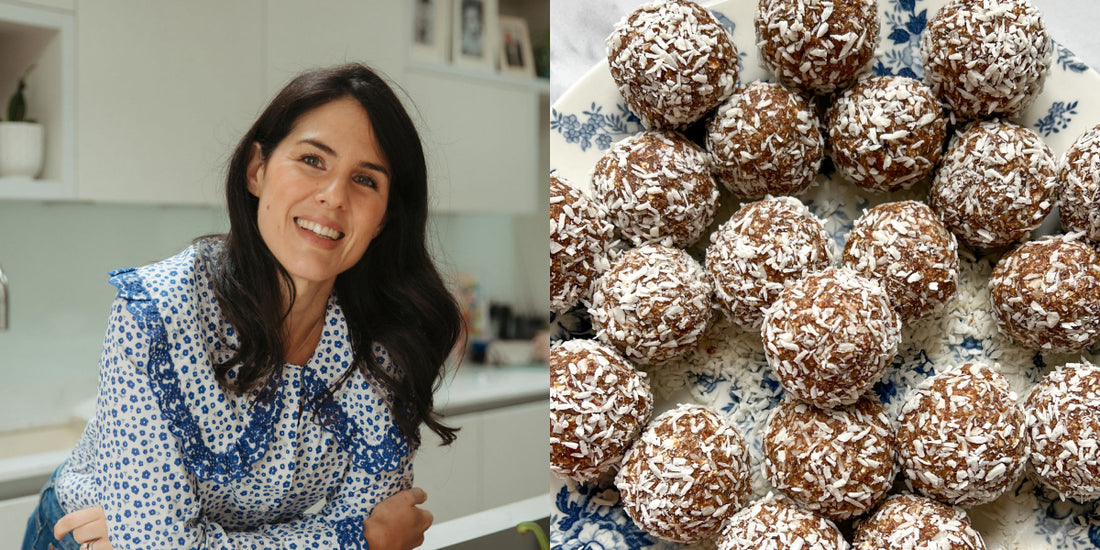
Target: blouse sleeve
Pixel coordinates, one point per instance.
(149, 496)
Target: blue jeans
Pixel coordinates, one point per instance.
(39, 535)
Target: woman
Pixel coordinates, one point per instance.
(288, 363)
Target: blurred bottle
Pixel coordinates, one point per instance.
(475, 313)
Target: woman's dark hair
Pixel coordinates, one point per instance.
(393, 297)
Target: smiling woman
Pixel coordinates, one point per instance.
(287, 364)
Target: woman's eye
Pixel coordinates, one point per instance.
(313, 160)
(365, 180)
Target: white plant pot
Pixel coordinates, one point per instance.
(21, 149)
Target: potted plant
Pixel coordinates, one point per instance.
(21, 139)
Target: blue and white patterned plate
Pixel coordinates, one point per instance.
(728, 372)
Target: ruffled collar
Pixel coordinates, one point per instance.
(222, 433)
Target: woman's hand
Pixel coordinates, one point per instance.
(88, 526)
(397, 523)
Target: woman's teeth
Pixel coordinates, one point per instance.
(318, 229)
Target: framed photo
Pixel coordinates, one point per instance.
(474, 33)
(431, 29)
(516, 55)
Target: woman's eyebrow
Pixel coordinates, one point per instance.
(330, 151)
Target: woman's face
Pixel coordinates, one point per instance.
(322, 192)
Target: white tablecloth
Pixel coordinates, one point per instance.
(580, 27)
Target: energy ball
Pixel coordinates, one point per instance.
(836, 462)
(579, 238)
(886, 132)
(1063, 421)
(653, 304)
(830, 336)
(765, 140)
(1079, 178)
(774, 524)
(673, 62)
(913, 521)
(995, 185)
(685, 476)
(909, 252)
(598, 406)
(1046, 294)
(817, 45)
(657, 188)
(961, 437)
(986, 57)
(762, 247)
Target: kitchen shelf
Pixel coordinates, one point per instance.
(30, 189)
(539, 86)
(45, 38)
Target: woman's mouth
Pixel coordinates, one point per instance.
(319, 230)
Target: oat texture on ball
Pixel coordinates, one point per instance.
(759, 250)
(772, 523)
(1046, 294)
(652, 304)
(986, 57)
(830, 335)
(658, 188)
(817, 45)
(765, 140)
(913, 521)
(673, 62)
(579, 238)
(1079, 185)
(961, 436)
(1063, 426)
(836, 462)
(995, 185)
(908, 250)
(685, 476)
(599, 404)
(886, 132)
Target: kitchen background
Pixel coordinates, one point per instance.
(142, 102)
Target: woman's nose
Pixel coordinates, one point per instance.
(333, 193)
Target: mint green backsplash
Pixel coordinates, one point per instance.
(56, 257)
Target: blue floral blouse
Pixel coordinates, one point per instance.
(178, 462)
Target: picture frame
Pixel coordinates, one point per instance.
(516, 54)
(474, 27)
(431, 30)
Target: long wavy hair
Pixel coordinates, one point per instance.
(393, 297)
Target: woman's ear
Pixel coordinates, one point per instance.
(254, 173)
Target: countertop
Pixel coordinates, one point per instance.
(472, 388)
(468, 388)
(580, 27)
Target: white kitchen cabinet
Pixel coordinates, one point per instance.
(516, 464)
(481, 137)
(305, 35)
(60, 5)
(44, 38)
(450, 475)
(14, 514)
(166, 89)
(501, 456)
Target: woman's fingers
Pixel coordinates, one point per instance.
(418, 495)
(76, 519)
(90, 531)
(426, 519)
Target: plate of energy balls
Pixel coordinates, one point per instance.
(824, 275)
